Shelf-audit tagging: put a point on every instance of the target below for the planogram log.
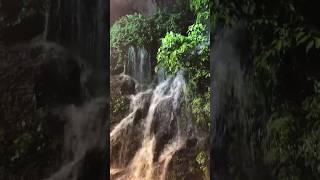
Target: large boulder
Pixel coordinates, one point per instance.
(122, 84)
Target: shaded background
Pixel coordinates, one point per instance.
(53, 55)
(265, 69)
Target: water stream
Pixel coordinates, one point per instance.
(82, 134)
(80, 27)
(143, 144)
(139, 64)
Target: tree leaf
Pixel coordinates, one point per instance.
(279, 45)
(309, 46)
(317, 42)
(299, 35)
(302, 40)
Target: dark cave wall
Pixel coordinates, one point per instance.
(40, 77)
(81, 26)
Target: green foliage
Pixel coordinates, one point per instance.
(201, 8)
(181, 43)
(281, 149)
(119, 108)
(199, 5)
(14, 12)
(283, 48)
(292, 141)
(212, 19)
(119, 105)
(129, 30)
(203, 161)
(30, 146)
(139, 30)
(201, 109)
(190, 53)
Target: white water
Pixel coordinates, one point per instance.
(46, 23)
(139, 64)
(160, 134)
(82, 134)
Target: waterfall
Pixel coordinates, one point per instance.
(228, 96)
(82, 133)
(143, 144)
(46, 22)
(232, 119)
(80, 26)
(161, 74)
(138, 65)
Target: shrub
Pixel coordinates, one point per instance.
(142, 31)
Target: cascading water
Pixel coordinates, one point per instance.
(143, 144)
(138, 66)
(80, 27)
(65, 66)
(232, 121)
(46, 22)
(82, 133)
(228, 94)
(154, 138)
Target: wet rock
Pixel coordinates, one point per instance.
(141, 101)
(184, 165)
(119, 103)
(123, 148)
(164, 125)
(116, 173)
(121, 89)
(158, 132)
(35, 79)
(36, 75)
(123, 84)
(123, 7)
(59, 81)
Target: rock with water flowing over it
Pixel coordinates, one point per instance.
(157, 139)
(123, 84)
(44, 73)
(121, 87)
(122, 148)
(36, 80)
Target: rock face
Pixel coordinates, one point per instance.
(123, 84)
(51, 72)
(121, 88)
(123, 148)
(80, 25)
(35, 77)
(120, 8)
(38, 79)
(81, 137)
(146, 144)
(39, 74)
